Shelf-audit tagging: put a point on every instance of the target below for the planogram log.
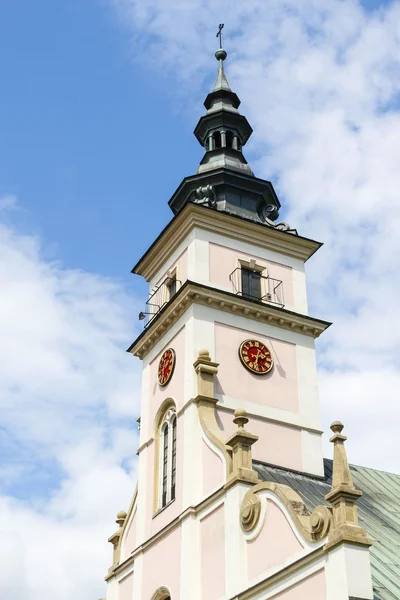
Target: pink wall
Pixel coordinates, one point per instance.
(277, 444)
(160, 571)
(213, 470)
(278, 388)
(129, 541)
(212, 531)
(173, 389)
(181, 266)
(275, 543)
(125, 588)
(314, 587)
(223, 261)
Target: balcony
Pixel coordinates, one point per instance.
(251, 284)
(159, 298)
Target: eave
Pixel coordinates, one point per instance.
(232, 226)
(196, 293)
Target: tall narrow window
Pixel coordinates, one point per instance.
(251, 284)
(173, 461)
(167, 464)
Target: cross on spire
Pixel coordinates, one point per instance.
(219, 34)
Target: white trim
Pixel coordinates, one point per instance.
(348, 573)
(296, 578)
(190, 581)
(145, 425)
(138, 576)
(142, 500)
(235, 543)
(312, 452)
(308, 546)
(211, 508)
(199, 265)
(166, 266)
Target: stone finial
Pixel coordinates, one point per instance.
(240, 418)
(121, 516)
(343, 496)
(240, 444)
(115, 539)
(206, 371)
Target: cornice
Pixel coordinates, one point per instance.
(233, 226)
(197, 293)
(297, 566)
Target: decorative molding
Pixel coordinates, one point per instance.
(194, 215)
(192, 292)
(161, 594)
(313, 526)
(190, 511)
(205, 195)
(302, 564)
(209, 425)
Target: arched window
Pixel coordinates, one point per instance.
(162, 594)
(217, 139)
(229, 139)
(167, 470)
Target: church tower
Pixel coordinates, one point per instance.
(230, 401)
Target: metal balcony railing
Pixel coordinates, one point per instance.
(253, 285)
(159, 298)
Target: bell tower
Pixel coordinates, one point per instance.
(229, 378)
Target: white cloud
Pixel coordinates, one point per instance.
(320, 84)
(8, 202)
(68, 396)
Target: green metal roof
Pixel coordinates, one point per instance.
(378, 511)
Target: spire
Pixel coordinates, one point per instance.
(224, 180)
(223, 131)
(343, 497)
(221, 82)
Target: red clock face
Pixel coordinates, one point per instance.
(256, 357)
(166, 366)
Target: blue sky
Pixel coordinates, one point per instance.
(91, 144)
(98, 103)
(94, 143)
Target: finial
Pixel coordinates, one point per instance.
(121, 516)
(240, 418)
(220, 53)
(219, 34)
(204, 354)
(343, 496)
(239, 444)
(337, 427)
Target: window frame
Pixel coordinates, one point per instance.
(167, 454)
(262, 270)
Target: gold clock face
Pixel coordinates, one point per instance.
(166, 366)
(256, 357)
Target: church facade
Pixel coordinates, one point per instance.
(234, 500)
